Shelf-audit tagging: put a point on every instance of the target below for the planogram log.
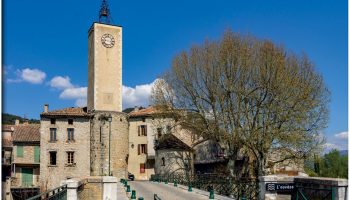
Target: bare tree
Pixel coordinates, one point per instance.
(251, 95)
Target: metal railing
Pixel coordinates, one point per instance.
(324, 192)
(222, 184)
(156, 197)
(59, 193)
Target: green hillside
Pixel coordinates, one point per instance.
(10, 119)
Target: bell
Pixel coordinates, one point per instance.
(104, 13)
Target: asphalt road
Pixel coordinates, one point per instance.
(147, 189)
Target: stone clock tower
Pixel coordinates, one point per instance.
(105, 68)
(109, 126)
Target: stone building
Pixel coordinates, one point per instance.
(173, 156)
(147, 126)
(20, 160)
(65, 145)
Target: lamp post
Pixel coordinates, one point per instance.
(109, 146)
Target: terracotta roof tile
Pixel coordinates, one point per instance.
(7, 127)
(26, 133)
(74, 111)
(143, 112)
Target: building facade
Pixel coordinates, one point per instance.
(65, 145)
(20, 160)
(146, 129)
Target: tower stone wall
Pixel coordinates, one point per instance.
(104, 133)
(105, 67)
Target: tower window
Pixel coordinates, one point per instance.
(70, 121)
(53, 158)
(53, 121)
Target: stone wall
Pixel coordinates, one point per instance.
(100, 144)
(91, 188)
(50, 176)
(176, 162)
(28, 153)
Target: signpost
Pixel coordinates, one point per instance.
(280, 187)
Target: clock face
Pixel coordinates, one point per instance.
(107, 40)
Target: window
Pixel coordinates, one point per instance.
(36, 154)
(53, 121)
(53, 158)
(70, 157)
(142, 149)
(159, 132)
(163, 161)
(142, 130)
(70, 132)
(143, 119)
(168, 129)
(142, 168)
(70, 121)
(20, 151)
(52, 134)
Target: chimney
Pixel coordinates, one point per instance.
(17, 122)
(136, 108)
(46, 108)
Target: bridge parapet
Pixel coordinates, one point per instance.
(299, 187)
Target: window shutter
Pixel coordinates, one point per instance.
(72, 134)
(145, 130)
(138, 149)
(139, 130)
(19, 151)
(36, 154)
(145, 148)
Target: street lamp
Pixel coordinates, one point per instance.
(109, 146)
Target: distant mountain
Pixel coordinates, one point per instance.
(343, 152)
(128, 110)
(10, 119)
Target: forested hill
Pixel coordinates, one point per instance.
(10, 119)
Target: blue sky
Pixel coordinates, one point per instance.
(45, 46)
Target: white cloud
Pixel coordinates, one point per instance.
(81, 102)
(61, 82)
(74, 93)
(342, 135)
(132, 96)
(138, 96)
(33, 76)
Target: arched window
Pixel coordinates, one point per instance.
(163, 161)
